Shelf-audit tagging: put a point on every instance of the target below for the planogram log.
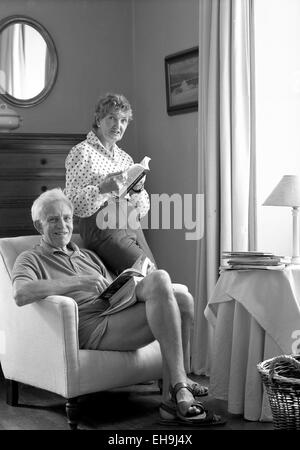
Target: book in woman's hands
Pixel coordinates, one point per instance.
(120, 291)
(134, 174)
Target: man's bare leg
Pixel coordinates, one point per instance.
(186, 305)
(164, 319)
(158, 317)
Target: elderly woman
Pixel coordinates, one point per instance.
(95, 169)
(161, 310)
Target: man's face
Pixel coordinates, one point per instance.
(112, 127)
(56, 224)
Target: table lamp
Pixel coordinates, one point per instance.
(287, 193)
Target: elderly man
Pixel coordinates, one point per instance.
(162, 310)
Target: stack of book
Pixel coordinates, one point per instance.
(252, 260)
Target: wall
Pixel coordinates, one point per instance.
(94, 44)
(120, 45)
(162, 28)
(278, 110)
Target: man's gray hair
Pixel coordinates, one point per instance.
(45, 198)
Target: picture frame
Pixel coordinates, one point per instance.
(181, 73)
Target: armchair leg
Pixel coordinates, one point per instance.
(72, 413)
(160, 385)
(12, 392)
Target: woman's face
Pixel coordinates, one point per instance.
(112, 127)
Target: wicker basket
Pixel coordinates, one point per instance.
(281, 377)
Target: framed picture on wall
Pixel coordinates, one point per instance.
(181, 71)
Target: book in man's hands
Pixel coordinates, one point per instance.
(134, 174)
(120, 292)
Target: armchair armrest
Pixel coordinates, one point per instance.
(40, 336)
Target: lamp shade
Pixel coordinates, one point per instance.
(286, 193)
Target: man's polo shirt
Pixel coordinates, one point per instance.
(44, 262)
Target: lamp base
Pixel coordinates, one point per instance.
(295, 260)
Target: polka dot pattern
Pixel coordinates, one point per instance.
(87, 164)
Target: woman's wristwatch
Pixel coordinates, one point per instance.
(137, 191)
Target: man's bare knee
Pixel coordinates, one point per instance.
(180, 288)
(160, 276)
(156, 285)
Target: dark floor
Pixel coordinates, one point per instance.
(131, 408)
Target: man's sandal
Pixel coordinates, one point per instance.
(177, 413)
(196, 389)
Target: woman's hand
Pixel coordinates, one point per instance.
(139, 186)
(94, 283)
(113, 182)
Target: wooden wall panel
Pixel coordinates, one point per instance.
(29, 165)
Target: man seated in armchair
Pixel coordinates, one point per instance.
(162, 310)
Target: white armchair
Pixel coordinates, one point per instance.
(39, 345)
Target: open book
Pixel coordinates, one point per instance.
(120, 291)
(134, 174)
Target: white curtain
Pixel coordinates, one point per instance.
(226, 149)
(12, 59)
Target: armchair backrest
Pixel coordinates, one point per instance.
(10, 248)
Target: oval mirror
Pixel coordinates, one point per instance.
(28, 61)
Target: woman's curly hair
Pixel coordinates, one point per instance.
(111, 103)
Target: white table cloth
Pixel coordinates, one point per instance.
(254, 314)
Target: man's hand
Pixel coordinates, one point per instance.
(93, 283)
(113, 182)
